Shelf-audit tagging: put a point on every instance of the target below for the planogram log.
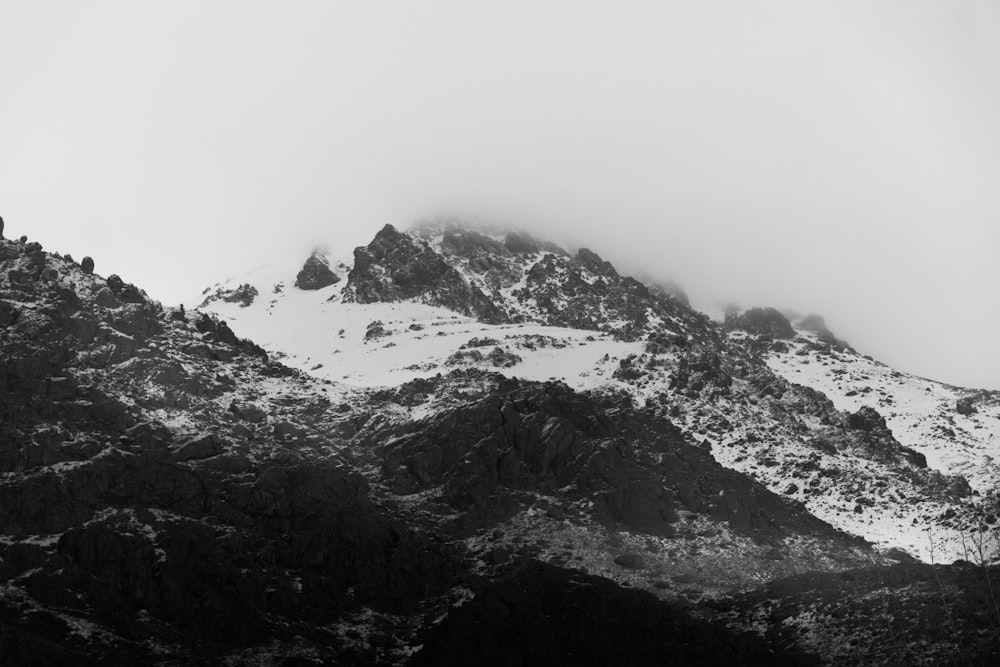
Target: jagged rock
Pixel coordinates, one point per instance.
(593, 262)
(762, 322)
(316, 273)
(141, 319)
(584, 291)
(87, 264)
(395, 267)
(218, 331)
(126, 292)
(867, 419)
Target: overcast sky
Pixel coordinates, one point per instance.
(837, 157)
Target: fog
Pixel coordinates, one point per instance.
(832, 157)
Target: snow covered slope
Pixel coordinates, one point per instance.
(957, 429)
(387, 344)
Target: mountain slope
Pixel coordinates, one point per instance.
(171, 494)
(168, 494)
(575, 319)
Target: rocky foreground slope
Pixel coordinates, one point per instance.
(542, 483)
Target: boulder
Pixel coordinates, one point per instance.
(87, 264)
(867, 419)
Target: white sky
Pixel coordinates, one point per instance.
(838, 157)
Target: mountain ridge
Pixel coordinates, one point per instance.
(657, 349)
(174, 493)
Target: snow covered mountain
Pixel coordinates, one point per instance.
(904, 462)
(466, 446)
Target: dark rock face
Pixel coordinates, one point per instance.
(395, 267)
(635, 470)
(869, 420)
(316, 274)
(872, 436)
(544, 615)
(127, 292)
(528, 280)
(762, 322)
(87, 264)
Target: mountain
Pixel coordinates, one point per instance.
(872, 457)
(469, 446)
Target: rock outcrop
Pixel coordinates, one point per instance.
(762, 321)
(316, 273)
(635, 470)
(397, 267)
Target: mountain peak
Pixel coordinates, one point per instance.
(397, 267)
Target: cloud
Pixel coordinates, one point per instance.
(839, 158)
